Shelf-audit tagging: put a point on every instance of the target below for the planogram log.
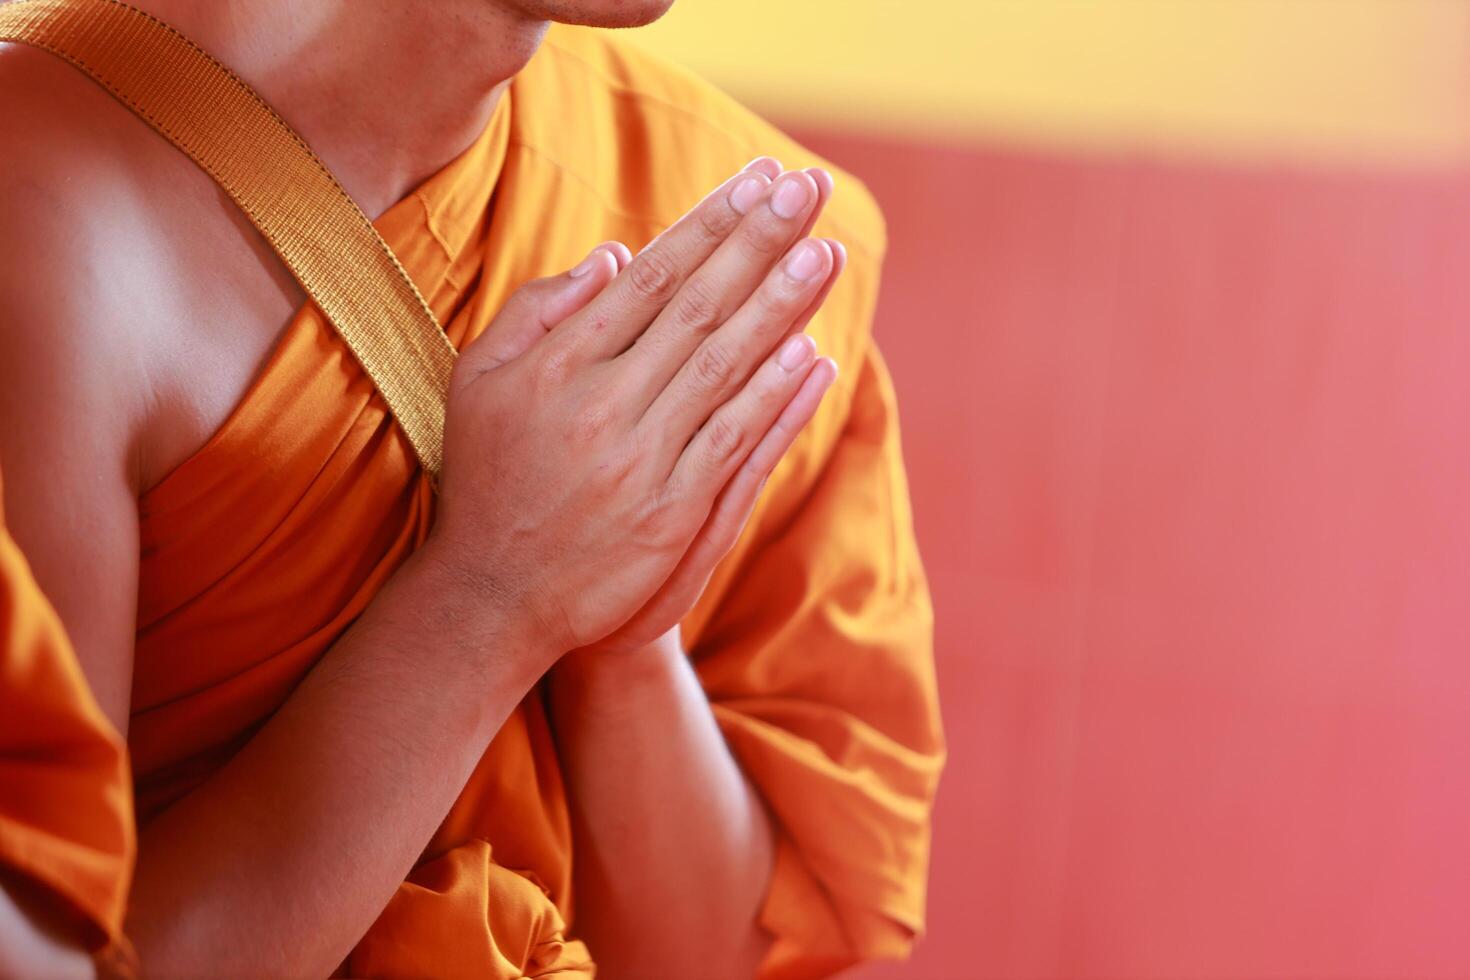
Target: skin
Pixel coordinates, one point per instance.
(639, 404)
(35, 939)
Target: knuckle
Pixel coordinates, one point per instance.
(554, 366)
(647, 522)
(756, 469)
(657, 518)
(626, 467)
(523, 303)
(716, 221)
(697, 310)
(723, 534)
(652, 276)
(776, 298)
(762, 238)
(713, 367)
(590, 421)
(726, 439)
(772, 385)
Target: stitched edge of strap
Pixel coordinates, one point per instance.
(212, 116)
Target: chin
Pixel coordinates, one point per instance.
(597, 13)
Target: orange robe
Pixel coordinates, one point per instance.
(66, 806)
(812, 640)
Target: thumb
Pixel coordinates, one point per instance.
(541, 304)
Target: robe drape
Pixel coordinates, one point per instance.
(812, 640)
(66, 808)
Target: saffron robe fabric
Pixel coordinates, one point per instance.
(66, 804)
(812, 640)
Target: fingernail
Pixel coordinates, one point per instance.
(758, 161)
(744, 194)
(790, 198)
(796, 352)
(586, 265)
(804, 260)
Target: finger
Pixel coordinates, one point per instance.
(793, 418)
(732, 508)
(575, 289)
(642, 289)
(719, 367)
(540, 305)
(839, 262)
(621, 253)
(825, 186)
(718, 288)
(769, 166)
(711, 457)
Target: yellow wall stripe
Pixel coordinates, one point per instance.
(1356, 80)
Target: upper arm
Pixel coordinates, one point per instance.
(33, 940)
(67, 370)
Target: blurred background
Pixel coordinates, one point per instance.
(1178, 306)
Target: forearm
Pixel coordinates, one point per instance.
(282, 860)
(674, 846)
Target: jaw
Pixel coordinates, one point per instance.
(596, 13)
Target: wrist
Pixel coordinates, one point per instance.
(474, 605)
(592, 669)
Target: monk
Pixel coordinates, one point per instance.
(66, 821)
(626, 691)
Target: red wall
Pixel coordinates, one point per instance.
(1190, 451)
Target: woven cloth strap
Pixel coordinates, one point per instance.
(329, 245)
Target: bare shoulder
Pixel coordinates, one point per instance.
(124, 263)
(70, 370)
(120, 261)
(64, 195)
(136, 303)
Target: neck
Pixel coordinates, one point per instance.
(386, 93)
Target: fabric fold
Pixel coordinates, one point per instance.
(813, 638)
(66, 820)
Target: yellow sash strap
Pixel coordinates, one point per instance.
(329, 245)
